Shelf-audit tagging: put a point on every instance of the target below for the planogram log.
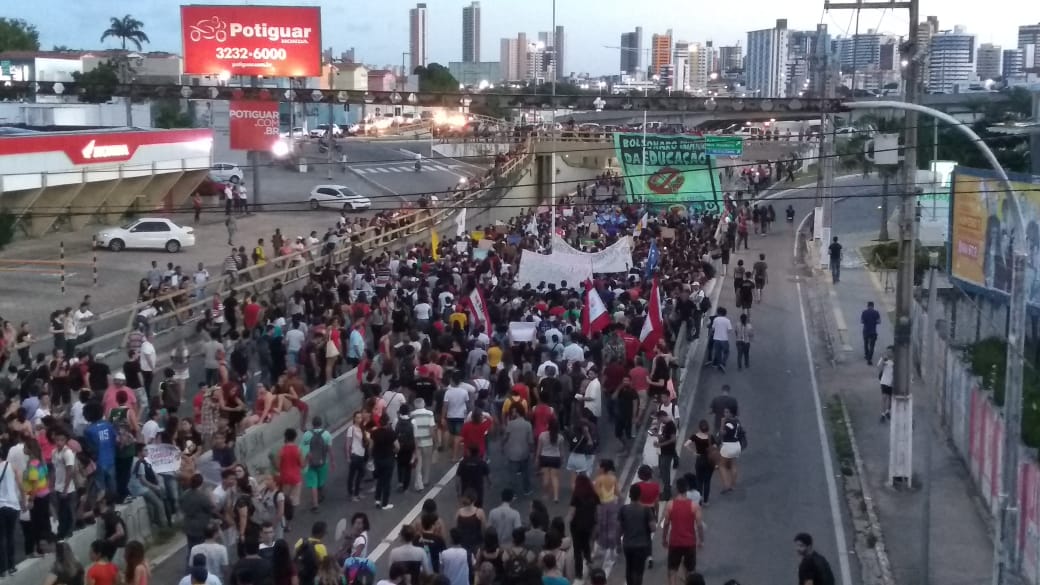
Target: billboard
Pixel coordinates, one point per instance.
(667, 170)
(253, 125)
(983, 226)
(273, 41)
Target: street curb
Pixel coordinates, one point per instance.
(873, 522)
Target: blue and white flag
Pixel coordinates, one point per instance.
(652, 258)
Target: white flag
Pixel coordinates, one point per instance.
(460, 223)
(641, 225)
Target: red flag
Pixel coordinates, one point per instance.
(653, 325)
(594, 316)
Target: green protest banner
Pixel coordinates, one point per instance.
(676, 171)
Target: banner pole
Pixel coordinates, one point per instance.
(643, 172)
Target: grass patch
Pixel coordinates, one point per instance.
(840, 436)
(987, 359)
(885, 256)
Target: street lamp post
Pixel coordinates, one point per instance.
(1005, 558)
(552, 130)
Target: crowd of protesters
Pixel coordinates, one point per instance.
(440, 376)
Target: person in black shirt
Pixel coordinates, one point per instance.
(384, 449)
(813, 568)
(834, 250)
(473, 473)
(666, 441)
(251, 569)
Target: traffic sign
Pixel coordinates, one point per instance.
(5, 68)
(724, 145)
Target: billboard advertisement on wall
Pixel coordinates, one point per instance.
(667, 170)
(983, 228)
(253, 125)
(272, 41)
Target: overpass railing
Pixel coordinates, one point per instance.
(407, 224)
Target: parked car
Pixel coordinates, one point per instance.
(297, 132)
(338, 197)
(148, 233)
(225, 172)
(321, 129)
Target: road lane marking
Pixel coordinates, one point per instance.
(825, 446)
(412, 514)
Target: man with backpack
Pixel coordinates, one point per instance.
(357, 568)
(407, 454)
(520, 566)
(309, 553)
(317, 456)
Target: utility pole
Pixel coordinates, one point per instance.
(330, 134)
(254, 156)
(825, 157)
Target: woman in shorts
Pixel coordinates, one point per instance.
(583, 451)
(549, 454)
(730, 438)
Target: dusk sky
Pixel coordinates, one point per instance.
(379, 30)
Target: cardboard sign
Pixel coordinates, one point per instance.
(522, 331)
(485, 244)
(164, 458)
(667, 233)
(480, 254)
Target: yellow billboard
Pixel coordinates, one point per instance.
(983, 228)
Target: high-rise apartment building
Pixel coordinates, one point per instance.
(700, 59)
(1028, 34)
(987, 61)
(800, 44)
(471, 33)
(951, 60)
(766, 70)
(731, 59)
(632, 52)
(418, 28)
(513, 63)
(1013, 63)
(860, 52)
(559, 52)
(660, 51)
(680, 71)
(925, 31)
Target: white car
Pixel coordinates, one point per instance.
(297, 132)
(321, 129)
(147, 232)
(338, 197)
(224, 172)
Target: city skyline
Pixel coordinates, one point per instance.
(381, 36)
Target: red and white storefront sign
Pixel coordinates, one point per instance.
(253, 125)
(32, 161)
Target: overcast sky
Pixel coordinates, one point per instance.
(379, 30)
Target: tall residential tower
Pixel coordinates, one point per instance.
(471, 33)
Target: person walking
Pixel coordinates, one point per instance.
(886, 375)
(759, 272)
(834, 251)
(706, 448)
(196, 205)
(870, 318)
(384, 451)
(316, 449)
(721, 329)
(516, 445)
(682, 534)
(549, 454)
(732, 440)
(232, 226)
(637, 528)
(743, 336)
(813, 568)
(423, 424)
(12, 502)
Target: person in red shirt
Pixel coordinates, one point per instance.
(102, 571)
(640, 378)
(290, 467)
(540, 417)
(522, 391)
(649, 495)
(251, 313)
(475, 431)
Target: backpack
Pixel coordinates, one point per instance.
(360, 574)
(405, 434)
(517, 568)
(306, 560)
(705, 305)
(318, 451)
(149, 473)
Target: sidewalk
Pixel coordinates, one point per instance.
(961, 545)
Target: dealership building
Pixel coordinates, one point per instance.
(67, 180)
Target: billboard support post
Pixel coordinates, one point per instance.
(1005, 558)
(254, 161)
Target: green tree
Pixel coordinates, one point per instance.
(436, 78)
(169, 115)
(126, 29)
(18, 35)
(98, 85)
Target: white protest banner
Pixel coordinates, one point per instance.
(553, 269)
(163, 457)
(522, 331)
(615, 258)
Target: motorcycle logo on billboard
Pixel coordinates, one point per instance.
(272, 41)
(253, 125)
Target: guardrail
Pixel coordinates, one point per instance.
(286, 269)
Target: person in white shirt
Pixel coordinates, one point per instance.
(573, 353)
(721, 330)
(82, 318)
(423, 425)
(151, 429)
(12, 500)
(593, 396)
(215, 553)
(456, 405)
(886, 374)
(79, 422)
(64, 461)
(148, 360)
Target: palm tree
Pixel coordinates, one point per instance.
(126, 29)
